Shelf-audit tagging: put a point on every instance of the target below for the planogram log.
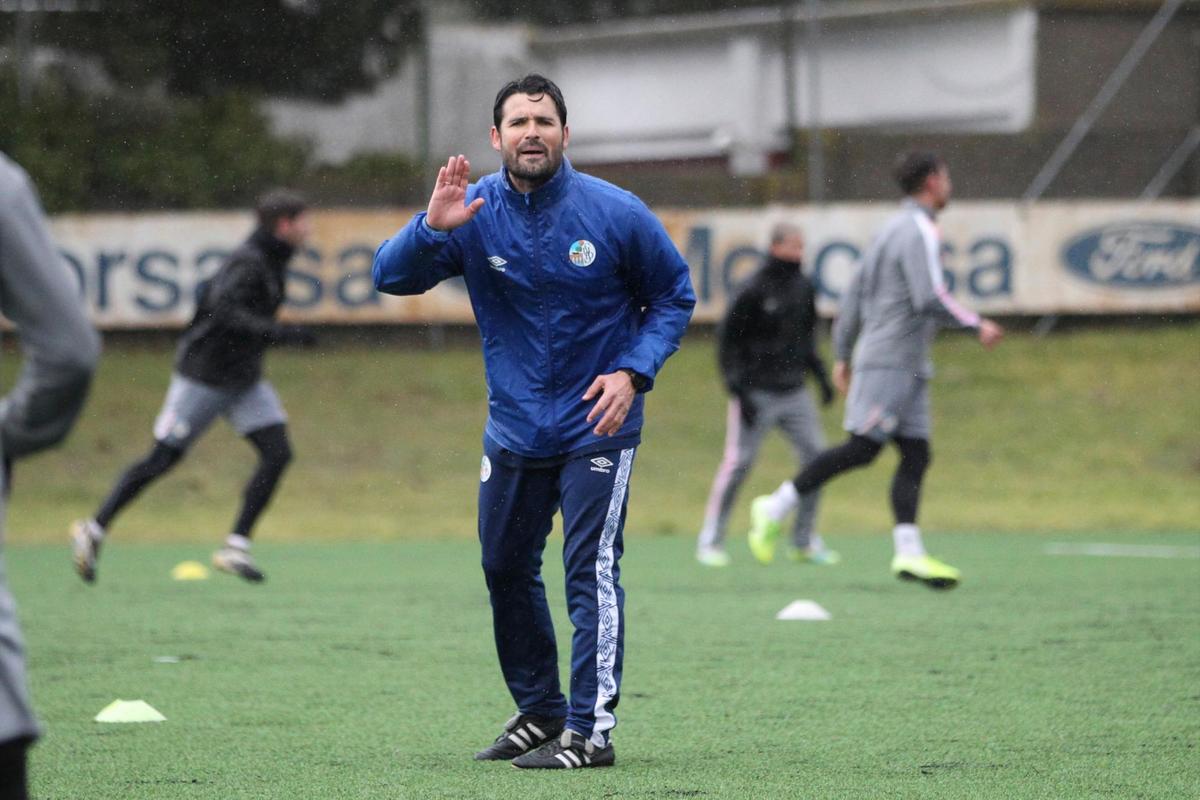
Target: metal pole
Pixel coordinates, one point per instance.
(424, 95)
(1107, 92)
(816, 144)
(789, 75)
(23, 45)
(424, 87)
(1172, 166)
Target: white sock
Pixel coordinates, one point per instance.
(783, 501)
(94, 530)
(815, 544)
(907, 538)
(238, 542)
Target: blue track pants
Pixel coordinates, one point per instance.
(517, 502)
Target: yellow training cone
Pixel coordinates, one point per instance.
(189, 571)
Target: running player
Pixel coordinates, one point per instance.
(889, 316)
(218, 372)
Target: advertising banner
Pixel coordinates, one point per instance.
(144, 270)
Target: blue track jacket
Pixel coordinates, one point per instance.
(573, 280)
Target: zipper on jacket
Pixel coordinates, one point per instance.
(544, 302)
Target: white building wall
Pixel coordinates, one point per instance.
(707, 86)
(468, 64)
(718, 91)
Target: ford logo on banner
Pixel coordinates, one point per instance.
(1137, 255)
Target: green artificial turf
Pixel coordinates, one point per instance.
(1088, 430)
(364, 667)
(366, 670)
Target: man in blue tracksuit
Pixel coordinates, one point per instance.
(580, 297)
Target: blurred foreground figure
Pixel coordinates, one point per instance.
(580, 297)
(766, 347)
(218, 372)
(889, 316)
(40, 296)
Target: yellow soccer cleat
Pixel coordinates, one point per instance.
(764, 531)
(926, 569)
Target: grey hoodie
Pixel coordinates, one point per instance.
(898, 299)
(40, 296)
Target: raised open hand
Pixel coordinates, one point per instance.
(447, 209)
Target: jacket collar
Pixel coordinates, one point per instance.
(776, 269)
(277, 251)
(914, 205)
(545, 194)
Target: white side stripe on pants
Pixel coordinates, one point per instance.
(607, 612)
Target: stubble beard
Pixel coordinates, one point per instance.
(535, 176)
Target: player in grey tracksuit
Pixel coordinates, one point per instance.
(40, 296)
(767, 347)
(890, 313)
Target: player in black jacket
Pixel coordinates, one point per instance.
(218, 372)
(766, 348)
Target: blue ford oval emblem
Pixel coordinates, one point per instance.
(1136, 255)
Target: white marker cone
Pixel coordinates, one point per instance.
(804, 610)
(129, 711)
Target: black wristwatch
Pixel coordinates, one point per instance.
(636, 378)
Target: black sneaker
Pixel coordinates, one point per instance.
(569, 751)
(521, 734)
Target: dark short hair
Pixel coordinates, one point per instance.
(279, 204)
(913, 168)
(533, 85)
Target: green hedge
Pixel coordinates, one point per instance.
(93, 152)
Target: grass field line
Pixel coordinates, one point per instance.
(1121, 550)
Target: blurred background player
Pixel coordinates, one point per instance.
(218, 372)
(40, 296)
(766, 347)
(574, 332)
(890, 314)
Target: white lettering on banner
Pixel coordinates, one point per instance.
(146, 270)
(1142, 256)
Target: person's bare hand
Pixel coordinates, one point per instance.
(841, 376)
(616, 394)
(990, 333)
(447, 207)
